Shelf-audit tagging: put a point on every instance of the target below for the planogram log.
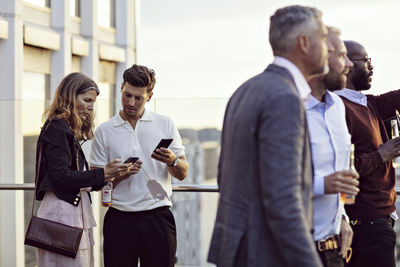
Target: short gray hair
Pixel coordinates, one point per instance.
(288, 23)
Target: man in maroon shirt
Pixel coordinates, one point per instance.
(373, 214)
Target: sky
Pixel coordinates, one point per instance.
(202, 49)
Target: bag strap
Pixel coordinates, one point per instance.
(77, 168)
(38, 166)
(37, 174)
(38, 171)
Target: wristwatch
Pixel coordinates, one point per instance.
(174, 163)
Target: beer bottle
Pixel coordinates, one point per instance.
(345, 198)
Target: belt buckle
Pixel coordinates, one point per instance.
(331, 244)
(319, 242)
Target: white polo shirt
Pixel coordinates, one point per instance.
(116, 138)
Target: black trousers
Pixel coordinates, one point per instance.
(148, 236)
(373, 244)
(331, 258)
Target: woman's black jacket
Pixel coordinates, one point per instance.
(58, 173)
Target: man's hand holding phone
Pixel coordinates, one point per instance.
(163, 154)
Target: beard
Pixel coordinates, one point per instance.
(361, 79)
(335, 81)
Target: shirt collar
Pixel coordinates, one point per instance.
(118, 120)
(147, 116)
(299, 80)
(353, 96)
(312, 102)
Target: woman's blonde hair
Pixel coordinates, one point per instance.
(64, 104)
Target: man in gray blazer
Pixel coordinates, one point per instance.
(264, 215)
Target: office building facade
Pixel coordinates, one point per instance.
(41, 41)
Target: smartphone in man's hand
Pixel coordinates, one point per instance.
(131, 160)
(164, 143)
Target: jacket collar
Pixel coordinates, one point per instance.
(300, 82)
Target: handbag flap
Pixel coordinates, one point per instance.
(56, 237)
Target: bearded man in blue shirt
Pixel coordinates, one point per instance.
(330, 146)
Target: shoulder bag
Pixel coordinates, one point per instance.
(53, 236)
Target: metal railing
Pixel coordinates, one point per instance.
(175, 188)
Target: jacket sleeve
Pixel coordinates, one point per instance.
(367, 163)
(387, 103)
(60, 162)
(281, 140)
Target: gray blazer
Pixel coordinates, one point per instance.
(264, 214)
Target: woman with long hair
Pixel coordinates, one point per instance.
(64, 180)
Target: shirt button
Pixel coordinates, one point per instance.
(76, 199)
(75, 202)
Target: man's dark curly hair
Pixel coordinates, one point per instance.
(140, 76)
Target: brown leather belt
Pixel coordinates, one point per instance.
(327, 244)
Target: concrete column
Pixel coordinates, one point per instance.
(60, 59)
(11, 139)
(90, 67)
(125, 26)
(89, 30)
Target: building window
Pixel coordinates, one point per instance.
(106, 13)
(35, 91)
(75, 63)
(106, 100)
(42, 3)
(75, 8)
(105, 106)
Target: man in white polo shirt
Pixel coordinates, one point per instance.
(139, 224)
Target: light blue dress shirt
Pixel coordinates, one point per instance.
(330, 145)
(353, 96)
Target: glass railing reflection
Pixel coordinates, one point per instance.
(194, 215)
(199, 122)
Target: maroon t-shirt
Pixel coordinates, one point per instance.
(377, 194)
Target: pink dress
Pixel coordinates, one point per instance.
(55, 209)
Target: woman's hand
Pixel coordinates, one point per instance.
(114, 168)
